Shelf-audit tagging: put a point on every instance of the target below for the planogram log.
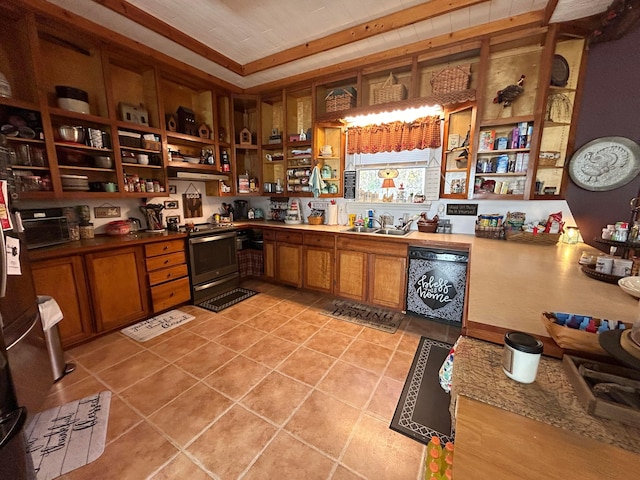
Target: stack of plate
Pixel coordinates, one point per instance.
(75, 183)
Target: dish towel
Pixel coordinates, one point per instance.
(315, 182)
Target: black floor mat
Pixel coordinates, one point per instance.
(423, 408)
(225, 300)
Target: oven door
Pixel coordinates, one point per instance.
(212, 257)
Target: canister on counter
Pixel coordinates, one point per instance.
(521, 356)
(86, 231)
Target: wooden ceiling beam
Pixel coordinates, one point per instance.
(363, 31)
(526, 21)
(141, 17)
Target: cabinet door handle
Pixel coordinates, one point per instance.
(166, 247)
(168, 275)
(166, 261)
(172, 294)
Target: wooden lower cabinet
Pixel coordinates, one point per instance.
(318, 256)
(64, 279)
(167, 273)
(289, 264)
(351, 274)
(372, 272)
(117, 281)
(387, 280)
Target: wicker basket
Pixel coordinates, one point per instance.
(495, 233)
(315, 220)
(340, 99)
(451, 79)
(390, 91)
(529, 237)
(572, 338)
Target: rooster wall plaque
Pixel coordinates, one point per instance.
(508, 94)
(606, 163)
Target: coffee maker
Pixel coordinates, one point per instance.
(241, 209)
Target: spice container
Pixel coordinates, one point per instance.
(521, 356)
(86, 231)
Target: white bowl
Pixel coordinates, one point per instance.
(630, 285)
(74, 105)
(192, 159)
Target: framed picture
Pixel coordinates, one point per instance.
(173, 219)
(170, 204)
(173, 189)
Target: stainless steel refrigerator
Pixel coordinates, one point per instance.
(25, 369)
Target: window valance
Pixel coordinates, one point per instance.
(421, 133)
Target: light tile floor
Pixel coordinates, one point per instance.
(266, 389)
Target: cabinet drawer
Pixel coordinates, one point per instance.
(160, 248)
(319, 240)
(170, 294)
(164, 261)
(166, 274)
(289, 237)
(269, 235)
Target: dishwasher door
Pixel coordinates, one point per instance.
(436, 283)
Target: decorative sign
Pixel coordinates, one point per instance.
(462, 209)
(435, 289)
(192, 205)
(349, 180)
(106, 211)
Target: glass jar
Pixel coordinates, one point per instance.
(74, 231)
(86, 231)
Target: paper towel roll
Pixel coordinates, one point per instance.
(332, 215)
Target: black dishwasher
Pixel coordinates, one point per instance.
(436, 283)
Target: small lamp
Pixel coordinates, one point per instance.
(571, 235)
(388, 183)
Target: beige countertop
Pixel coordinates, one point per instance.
(511, 283)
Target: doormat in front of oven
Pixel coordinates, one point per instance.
(378, 318)
(225, 300)
(154, 326)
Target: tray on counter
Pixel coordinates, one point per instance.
(601, 406)
(590, 271)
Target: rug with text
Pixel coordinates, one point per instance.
(64, 438)
(379, 318)
(154, 326)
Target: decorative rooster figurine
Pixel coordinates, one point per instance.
(509, 93)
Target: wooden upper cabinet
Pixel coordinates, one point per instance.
(457, 154)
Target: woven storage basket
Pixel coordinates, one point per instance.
(315, 220)
(451, 79)
(496, 233)
(390, 91)
(340, 99)
(529, 237)
(572, 338)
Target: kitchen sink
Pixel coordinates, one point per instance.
(362, 230)
(392, 231)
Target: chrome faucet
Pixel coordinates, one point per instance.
(408, 223)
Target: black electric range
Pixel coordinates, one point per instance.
(200, 229)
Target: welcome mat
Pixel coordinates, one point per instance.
(423, 408)
(225, 300)
(154, 326)
(379, 318)
(64, 438)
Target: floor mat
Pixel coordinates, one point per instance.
(423, 408)
(225, 300)
(154, 326)
(64, 438)
(379, 318)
